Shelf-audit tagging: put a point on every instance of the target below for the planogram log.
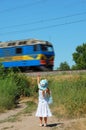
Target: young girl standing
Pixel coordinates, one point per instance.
(43, 110)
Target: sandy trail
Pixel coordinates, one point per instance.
(26, 122)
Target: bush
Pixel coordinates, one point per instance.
(8, 92)
(13, 85)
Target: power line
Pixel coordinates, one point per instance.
(46, 20)
(45, 27)
(22, 6)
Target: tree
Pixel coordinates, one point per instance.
(64, 66)
(80, 57)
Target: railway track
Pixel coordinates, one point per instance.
(54, 72)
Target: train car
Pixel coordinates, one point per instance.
(30, 54)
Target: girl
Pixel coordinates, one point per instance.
(43, 110)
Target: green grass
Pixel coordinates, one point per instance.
(69, 96)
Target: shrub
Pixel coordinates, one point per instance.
(13, 85)
(8, 92)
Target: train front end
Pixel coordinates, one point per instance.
(46, 56)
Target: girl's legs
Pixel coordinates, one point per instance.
(45, 121)
(40, 118)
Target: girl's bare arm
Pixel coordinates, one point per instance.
(38, 78)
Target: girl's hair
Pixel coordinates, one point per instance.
(47, 91)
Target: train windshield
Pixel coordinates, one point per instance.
(48, 48)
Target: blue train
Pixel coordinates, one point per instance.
(30, 54)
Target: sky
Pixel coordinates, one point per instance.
(61, 22)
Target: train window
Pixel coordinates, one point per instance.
(18, 50)
(46, 48)
(50, 48)
(36, 48)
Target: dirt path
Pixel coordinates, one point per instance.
(26, 122)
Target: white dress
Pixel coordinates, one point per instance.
(43, 109)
